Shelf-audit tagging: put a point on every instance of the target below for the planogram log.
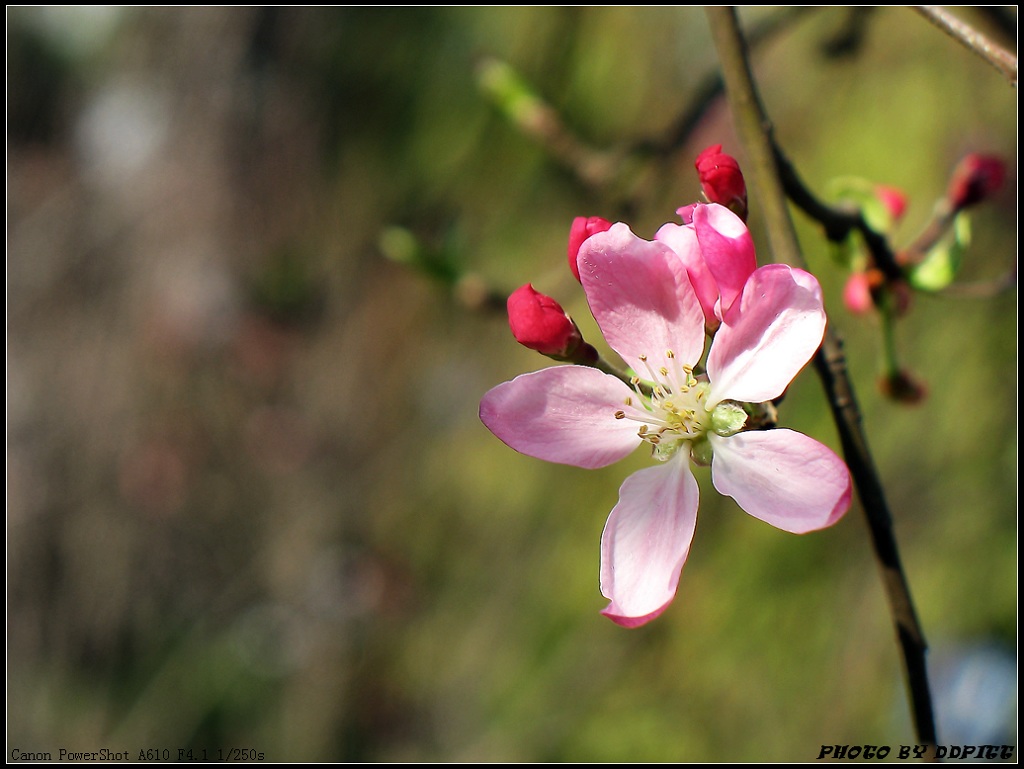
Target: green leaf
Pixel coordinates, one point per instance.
(941, 264)
(862, 194)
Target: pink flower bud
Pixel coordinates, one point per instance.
(976, 178)
(866, 290)
(539, 322)
(893, 199)
(857, 294)
(582, 228)
(721, 180)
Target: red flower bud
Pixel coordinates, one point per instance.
(539, 322)
(582, 228)
(976, 178)
(893, 199)
(721, 180)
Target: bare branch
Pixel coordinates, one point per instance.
(755, 132)
(998, 57)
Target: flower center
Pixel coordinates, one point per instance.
(671, 407)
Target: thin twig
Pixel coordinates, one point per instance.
(838, 223)
(983, 289)
(541, 122)
(937, 227)
(755, 132)
(995, 55)
(710, 86)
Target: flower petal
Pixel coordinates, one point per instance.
(768, 335)
(641, 298)
(646, 541)
(683, 240)
(728, 249)
(562, 414)
(782, 477)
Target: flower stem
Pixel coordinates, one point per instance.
(890, 362)
(762, 171)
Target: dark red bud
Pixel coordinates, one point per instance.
(539, 322)
(976, 178)
(721, 180)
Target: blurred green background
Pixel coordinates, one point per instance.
(250, 504)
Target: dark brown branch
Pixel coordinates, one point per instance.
(838, 223)
(830, 365)
(762, 172)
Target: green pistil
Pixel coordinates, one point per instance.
(728, 418)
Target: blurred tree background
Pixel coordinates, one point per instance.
(250, 504)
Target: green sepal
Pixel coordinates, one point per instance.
(701, 452)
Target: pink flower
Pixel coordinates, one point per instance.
(718, 252)
(539, 322)
(721, 180)
(643, 300)
(582, 228)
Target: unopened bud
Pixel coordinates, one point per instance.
(721, 180)
(857, 293)
(869, 289)
(903, 388)
(539, 322)
(894, 200)
(976, 178)
(582, 228)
